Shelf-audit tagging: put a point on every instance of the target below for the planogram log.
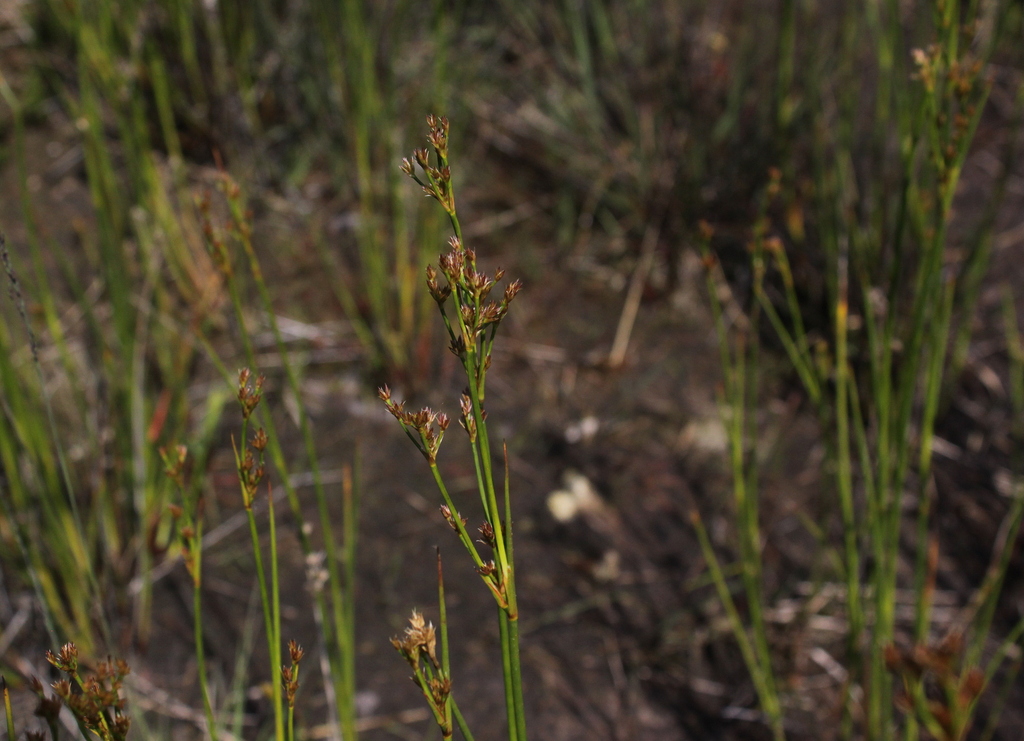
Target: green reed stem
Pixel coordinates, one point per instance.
(461, 722)
(196, 548)
(8, 710)
(269, 596)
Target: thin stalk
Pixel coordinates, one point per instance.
(8, 710)
(460, 528)
(275, 598)
(511, 711)
(516, 678)
(446, 664)
(932, 394)
(750, 656)
(197, 631)
(271, 612)
(290, 722)
(461, 722)
(844, 471)
(347, 640)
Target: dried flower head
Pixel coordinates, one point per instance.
(249, 395)
(439, 293)
(259, 440)
(66, 659)
(486, 531)
(449, 517)
(295, 652)
(420, 639)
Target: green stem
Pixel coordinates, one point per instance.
(461, 722)
(197, 628)
(512, 714)
(516, 678)
(269, 623)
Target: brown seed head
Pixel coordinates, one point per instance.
(249, 395)
(491, 313)
(511, 290)
(66, 659)
(419, 639)
(446, 512)
(440, 688)
(439, 293)
(259, 440)
(468, 313)
(295, 652)
(486, 531)
(458, 346)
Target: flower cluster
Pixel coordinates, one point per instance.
(438, 183)
(471, 289)
(425, 428)
(250, 470)
(97, 705)
(290, 674)
(418, 646)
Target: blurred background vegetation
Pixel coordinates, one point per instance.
(593, 139)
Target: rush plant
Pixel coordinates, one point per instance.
(471, 320)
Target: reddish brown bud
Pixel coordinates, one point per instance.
(259, 440)
(486, 534)
(295, 652)
(450, 518)
(511, 290)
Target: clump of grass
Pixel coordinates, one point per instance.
(471, 325)
(140, 284)
(878, 393)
